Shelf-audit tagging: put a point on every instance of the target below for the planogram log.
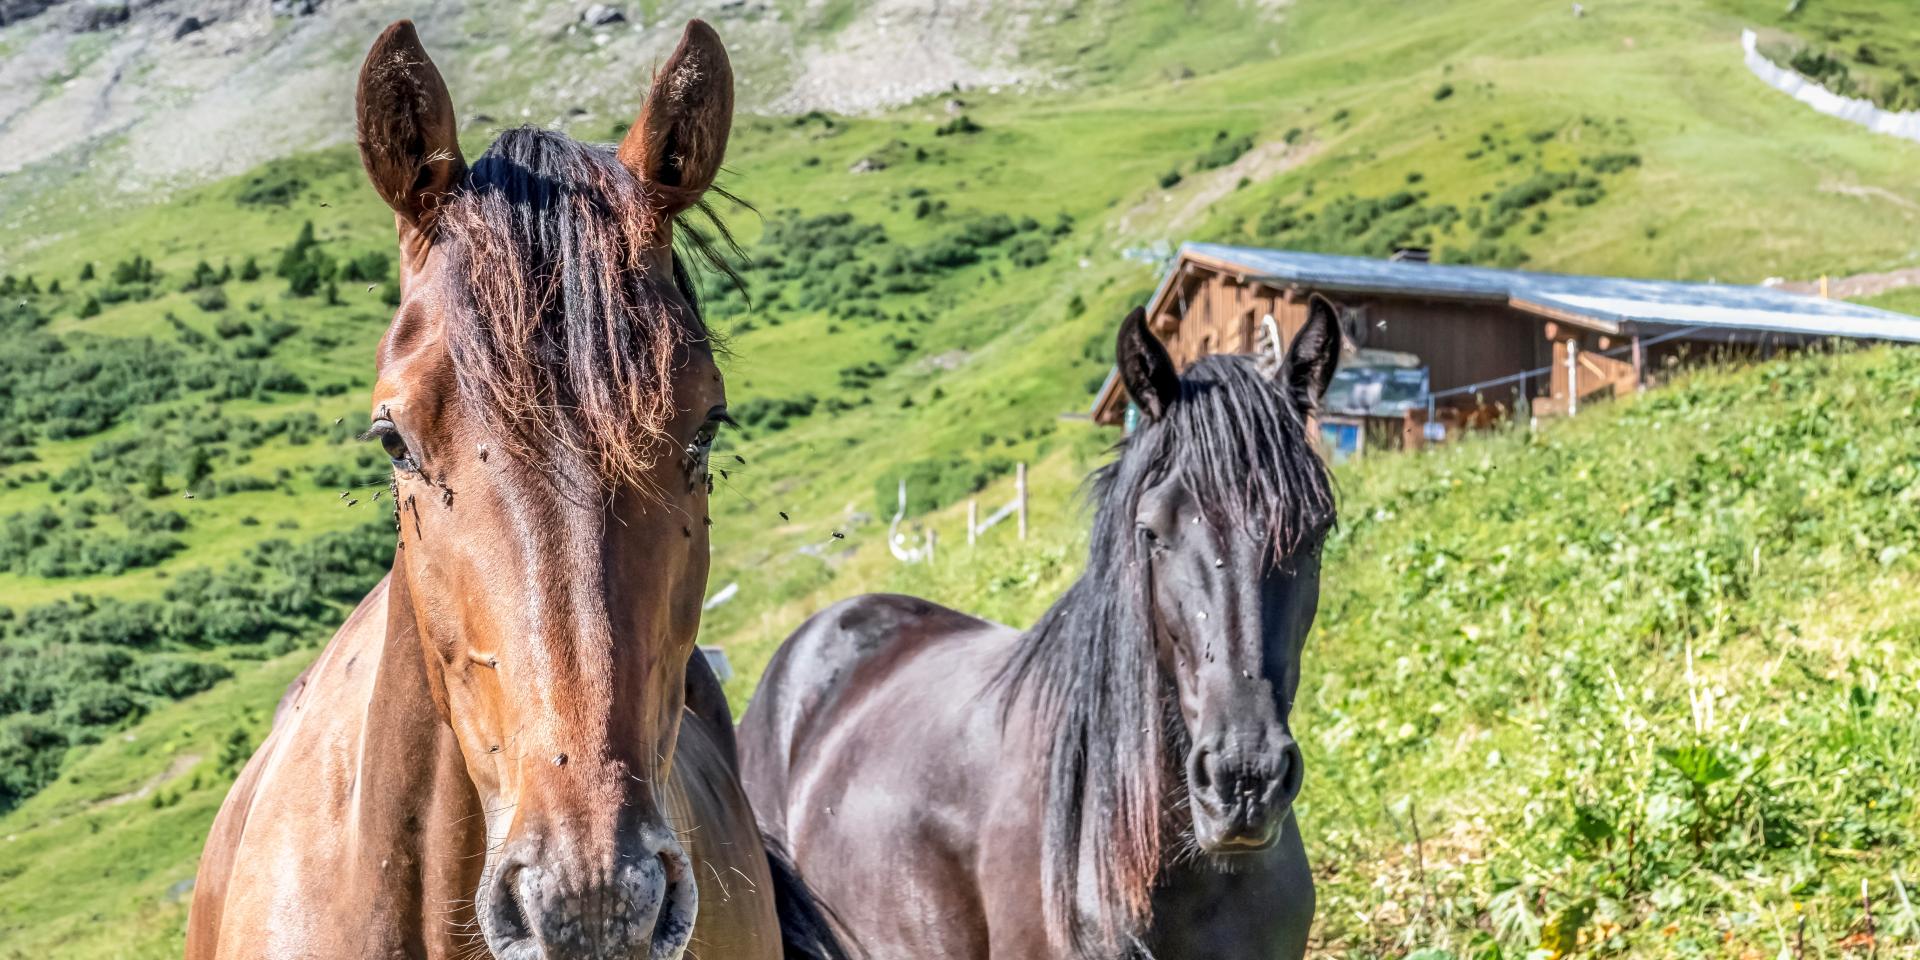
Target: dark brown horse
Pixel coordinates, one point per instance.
(1117, 781)
(510, 748)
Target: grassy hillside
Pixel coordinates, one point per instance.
(1662, 705)
(936, 317)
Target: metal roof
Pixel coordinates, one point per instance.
(1608, 303)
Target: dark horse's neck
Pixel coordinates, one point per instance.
(1089, 673)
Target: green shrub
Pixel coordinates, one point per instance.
(305, 266)
(961, 124)
(276, 186)
(1612, 162)
(1223, 151)
(136, 270)
(31, 750)
(1027, 252)
(95, 704)
(774, 413)
(172, 678)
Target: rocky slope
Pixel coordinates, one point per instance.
(152, 94)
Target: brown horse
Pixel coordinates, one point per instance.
(510, 747)
(1119, 780)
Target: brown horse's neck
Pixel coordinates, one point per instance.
(414, 806)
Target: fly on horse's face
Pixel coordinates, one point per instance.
(548, 398)
(1230, 544)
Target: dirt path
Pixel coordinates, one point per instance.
(178, 768)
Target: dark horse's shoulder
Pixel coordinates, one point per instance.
(865, 636)
(825, 666)
(875, 618)
(875, 626)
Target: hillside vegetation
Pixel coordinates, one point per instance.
(1504, 654)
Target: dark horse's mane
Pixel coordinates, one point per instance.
(570, 347)
(1241, 447)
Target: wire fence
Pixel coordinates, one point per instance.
(1525, 375)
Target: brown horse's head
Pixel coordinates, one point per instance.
(548, 396)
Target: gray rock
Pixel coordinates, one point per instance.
(91, 17)
(14, 11)
(602, 15)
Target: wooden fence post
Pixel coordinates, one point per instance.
(1573, 377)
(1020, 495)
(973, 520)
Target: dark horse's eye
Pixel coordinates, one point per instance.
(1147, 535)
(393, 443)
(703, 441)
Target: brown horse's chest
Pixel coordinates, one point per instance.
(706, 804)
(356, 832)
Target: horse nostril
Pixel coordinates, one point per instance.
(679, 905)
(509, 913)
(1202, 770)
(1291, 774)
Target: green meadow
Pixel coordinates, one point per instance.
(1639, 684)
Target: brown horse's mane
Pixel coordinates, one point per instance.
(571, 343)
(1090, 664)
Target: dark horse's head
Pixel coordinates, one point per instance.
(1177, 655)
(548, 395)
(1230, 504)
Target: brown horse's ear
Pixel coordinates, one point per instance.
(681, 137)
(1312, 355)
(1145, 368)
(407, 133)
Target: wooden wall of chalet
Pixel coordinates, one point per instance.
(1461, 343)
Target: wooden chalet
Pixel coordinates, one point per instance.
(1431, 349)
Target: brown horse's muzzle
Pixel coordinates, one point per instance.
(545, 902)
(1242, 791)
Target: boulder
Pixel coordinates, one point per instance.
(602, 15)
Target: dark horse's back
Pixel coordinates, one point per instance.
(833, 660)
(868, 750)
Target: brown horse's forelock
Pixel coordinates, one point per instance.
(1090, 665)
(570, 338)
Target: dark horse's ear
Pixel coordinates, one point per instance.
(681, 137)
(1312, 355)
(405, 125)
(1145, 369)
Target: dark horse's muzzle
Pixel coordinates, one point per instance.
(542, 904)
(1242, 790)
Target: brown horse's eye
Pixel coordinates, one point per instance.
(393, 443)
